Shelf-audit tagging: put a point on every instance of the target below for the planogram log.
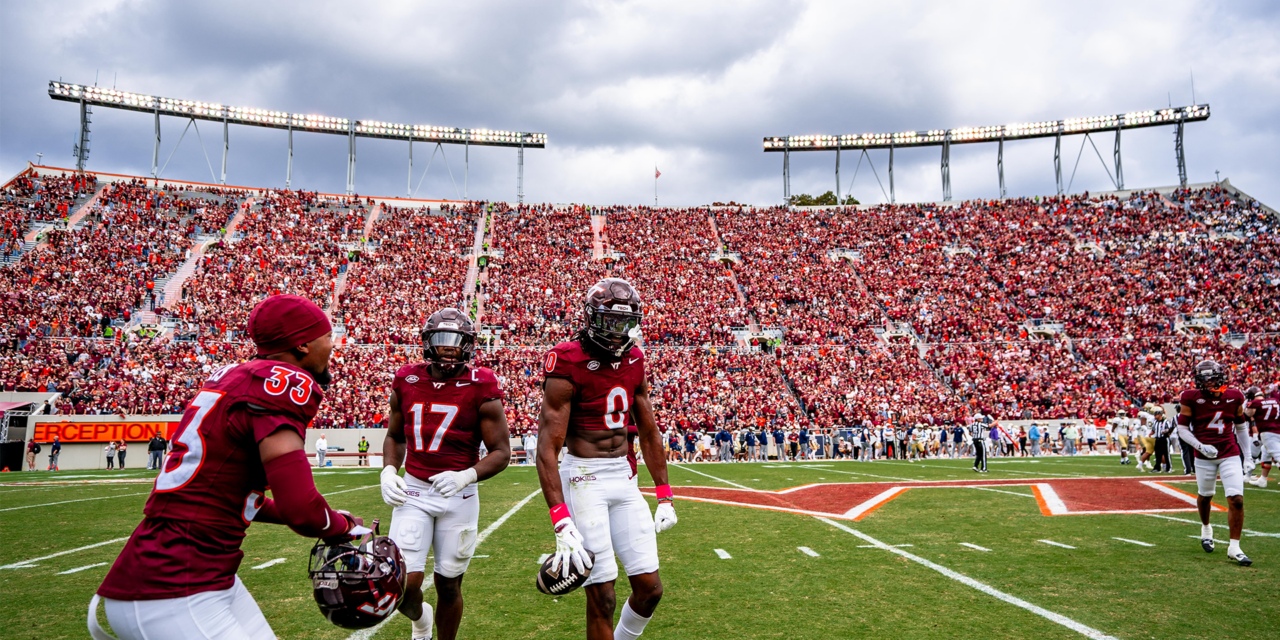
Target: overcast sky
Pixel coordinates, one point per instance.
(618, 87)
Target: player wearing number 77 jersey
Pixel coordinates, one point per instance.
(440, 412)
(244, 430)
(595, 389)
(1211, 421)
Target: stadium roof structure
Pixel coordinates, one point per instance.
(1176, 117)
(89, 96)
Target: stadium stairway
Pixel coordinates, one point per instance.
(754, 325)
(373, 217)
(72, 220)
(171, 290)
(597, 232)
(473, 268)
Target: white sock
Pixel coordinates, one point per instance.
(1206, 532)
(630, 624)
(1233, 548)
(422, 626)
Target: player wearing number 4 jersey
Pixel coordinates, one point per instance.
(441, 410)
(594, 390)
(1212, 421)
(244, 430)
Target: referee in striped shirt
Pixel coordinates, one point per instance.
(978, 431)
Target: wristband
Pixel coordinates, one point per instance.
(663, 491)
(559, 512)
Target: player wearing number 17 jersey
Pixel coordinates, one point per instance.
(244, 430)
(441, 410)
(594, 392)
(1212, 421)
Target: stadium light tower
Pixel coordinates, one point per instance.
(944, 138)
(193, 110)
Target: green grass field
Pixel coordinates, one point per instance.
(856, 586)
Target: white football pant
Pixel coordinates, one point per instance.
(229, 614)
(431, 521)
(1228, 467)
(611, 515)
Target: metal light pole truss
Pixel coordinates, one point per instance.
(192, 110)
(1176, 117)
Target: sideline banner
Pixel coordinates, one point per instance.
(130, 431)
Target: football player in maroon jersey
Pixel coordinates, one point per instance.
(243, 432)
(1264, 410)
(594, 390)
(441, 410)
(1212, 421)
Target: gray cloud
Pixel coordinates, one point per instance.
(620, 86)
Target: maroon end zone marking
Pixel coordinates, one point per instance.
(1055, 496)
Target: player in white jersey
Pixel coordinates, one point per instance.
(1144, 437)
(1120, 430)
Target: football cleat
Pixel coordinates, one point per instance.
(1206, 544)
(1241, 558)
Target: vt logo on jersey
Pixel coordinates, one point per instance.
(438, 384)
(615, 364)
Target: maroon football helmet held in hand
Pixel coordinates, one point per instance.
(357, 583)
(612, 316)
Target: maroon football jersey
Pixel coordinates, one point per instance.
(212, 482)
(442, 417)
(1212, 421)
(1266, 413)
(603, 391)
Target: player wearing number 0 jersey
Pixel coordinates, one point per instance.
(1212, 421)
(441, 411)
(594, 391)
(1264, 410)
(243, 431)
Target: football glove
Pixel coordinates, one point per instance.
(393, 487)
(664, 518)
(569, 548)
(1248, 465)
(449, 483)
(1207, 450)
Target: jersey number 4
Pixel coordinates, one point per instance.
(449, 412)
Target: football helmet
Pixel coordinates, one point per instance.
(1252, 392)
(1210, 376)
(612, 316)
(357, 583)
(448, 340)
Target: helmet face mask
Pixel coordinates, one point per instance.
(357, 584)
(613, 316)
(1210, 377)
(448, 340)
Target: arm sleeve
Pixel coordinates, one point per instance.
(268, 513)
(1243, 439)
(297, 503)
(1184, 432)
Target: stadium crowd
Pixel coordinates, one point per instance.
(1122, 276)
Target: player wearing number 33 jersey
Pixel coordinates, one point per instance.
(441, 411)
(244, 430)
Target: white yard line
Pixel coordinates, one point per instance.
(334, 493)
(808, 552)
(1137, 542)
(1215, 540)
(1012, 493)
(895, 546)
(724, 555)
(21, 565)
(365, 634)
(50, 504)
(1220, 526)
(1052, 502)
(1056, 544)
(732, 484)
(973, 546)
(79, 569)
(269, 563)
(1086, 631)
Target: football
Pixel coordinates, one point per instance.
(556, 585)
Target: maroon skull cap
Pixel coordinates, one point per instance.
(283, 322)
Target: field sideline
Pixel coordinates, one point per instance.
(761, 550)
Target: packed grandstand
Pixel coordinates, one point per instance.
(122, 294)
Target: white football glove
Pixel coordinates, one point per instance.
(449, 483)
(664, 518)
(569, 549)
(1207, 450)
(1248, 465)
(393, 487)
